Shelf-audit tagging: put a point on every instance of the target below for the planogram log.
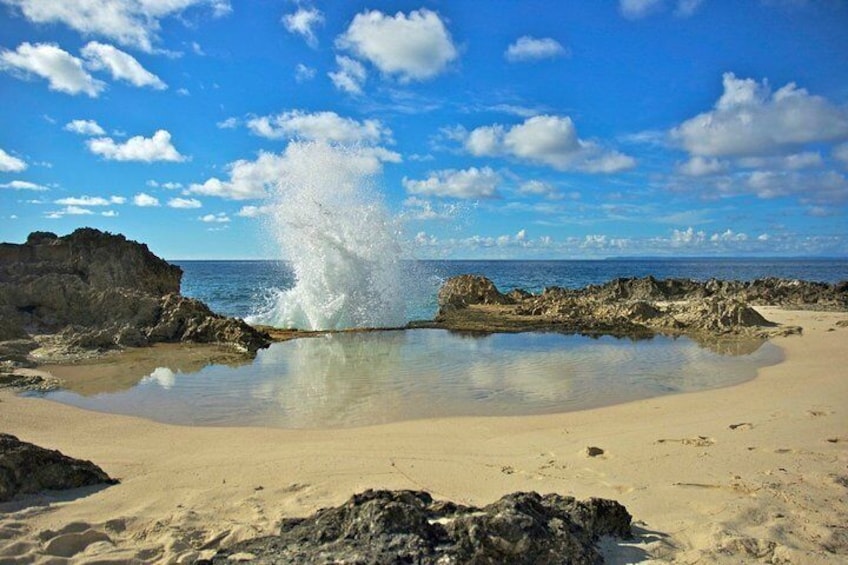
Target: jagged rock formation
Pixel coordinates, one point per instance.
(26, 469)
(93, 290)
(632, 306)
(410, 527)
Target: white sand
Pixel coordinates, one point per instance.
(755, 472)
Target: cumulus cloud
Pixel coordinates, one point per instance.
(138, 148)
(540, 188)
(10, 163)
(63, 71)
(350, 75)
(184, 203)
(253, 179)
(134, 23)
(699, 166)
(840, 153)
(302, 23)
(548, 140)
(467, 183)
(750, 120)
(23, 185)
(528, 48)
(412, 47)
(319, 126)
(85, 127)
(144, 200)
(219, 218)
(303, 73)
(122, 66)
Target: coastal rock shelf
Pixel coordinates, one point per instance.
(91, 290)
(410, 527)
(632, 306)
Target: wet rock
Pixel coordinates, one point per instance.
(26, 468)
(92, 290)
(410, 527)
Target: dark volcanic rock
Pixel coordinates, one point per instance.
(378, 527)
(93, 290)
(26, 468)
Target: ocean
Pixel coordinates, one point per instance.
(243, 288)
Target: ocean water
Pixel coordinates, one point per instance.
(244, 288)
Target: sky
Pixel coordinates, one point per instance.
(499, 130)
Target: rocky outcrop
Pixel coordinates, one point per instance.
(632, 307)
(92, 290)
(26, 469)
(410, 527)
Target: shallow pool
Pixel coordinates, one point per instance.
(355, 379)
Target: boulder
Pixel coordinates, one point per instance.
(26, 469)
(410, 527)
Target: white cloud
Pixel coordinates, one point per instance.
(319, 126)
(122, 66)
(138, 148)
(253, 211)
(302, 23)
(184, 203)
(549, 140)
(468, 183)
(840, 153)
(540, 188)
(253, 179)
(84, 127)
(144, 200)
(350, 76)
(634, 9)
(63, 71)
(23, 185)
(528, 48)
(90, 201)
(303, 73)
(229, 123)
(219, 218)
(749, 120)
(133, 23)
(10, 163)
(413, 47)
(415, 208)
(698, 166)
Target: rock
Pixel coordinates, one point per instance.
(93, 291)
(465, 290)
(26, 469)
(410, 527)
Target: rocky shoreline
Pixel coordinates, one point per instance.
(633, 307)
(76, 296)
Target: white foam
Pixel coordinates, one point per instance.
(342, 244)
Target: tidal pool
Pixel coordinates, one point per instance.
(363, 378)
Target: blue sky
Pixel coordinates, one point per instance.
(500, 129)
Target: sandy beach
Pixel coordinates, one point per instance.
(752, 473)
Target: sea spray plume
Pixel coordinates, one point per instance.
(342, 245)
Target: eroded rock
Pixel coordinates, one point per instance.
(92, 290)
(410, 527)
(26, 469)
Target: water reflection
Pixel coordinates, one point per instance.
(351, 379)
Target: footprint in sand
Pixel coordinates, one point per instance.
(741, 426)
(69, 545)
(698, 441)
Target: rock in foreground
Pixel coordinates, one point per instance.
(92, 290)
(26, 469)
(410, 527)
